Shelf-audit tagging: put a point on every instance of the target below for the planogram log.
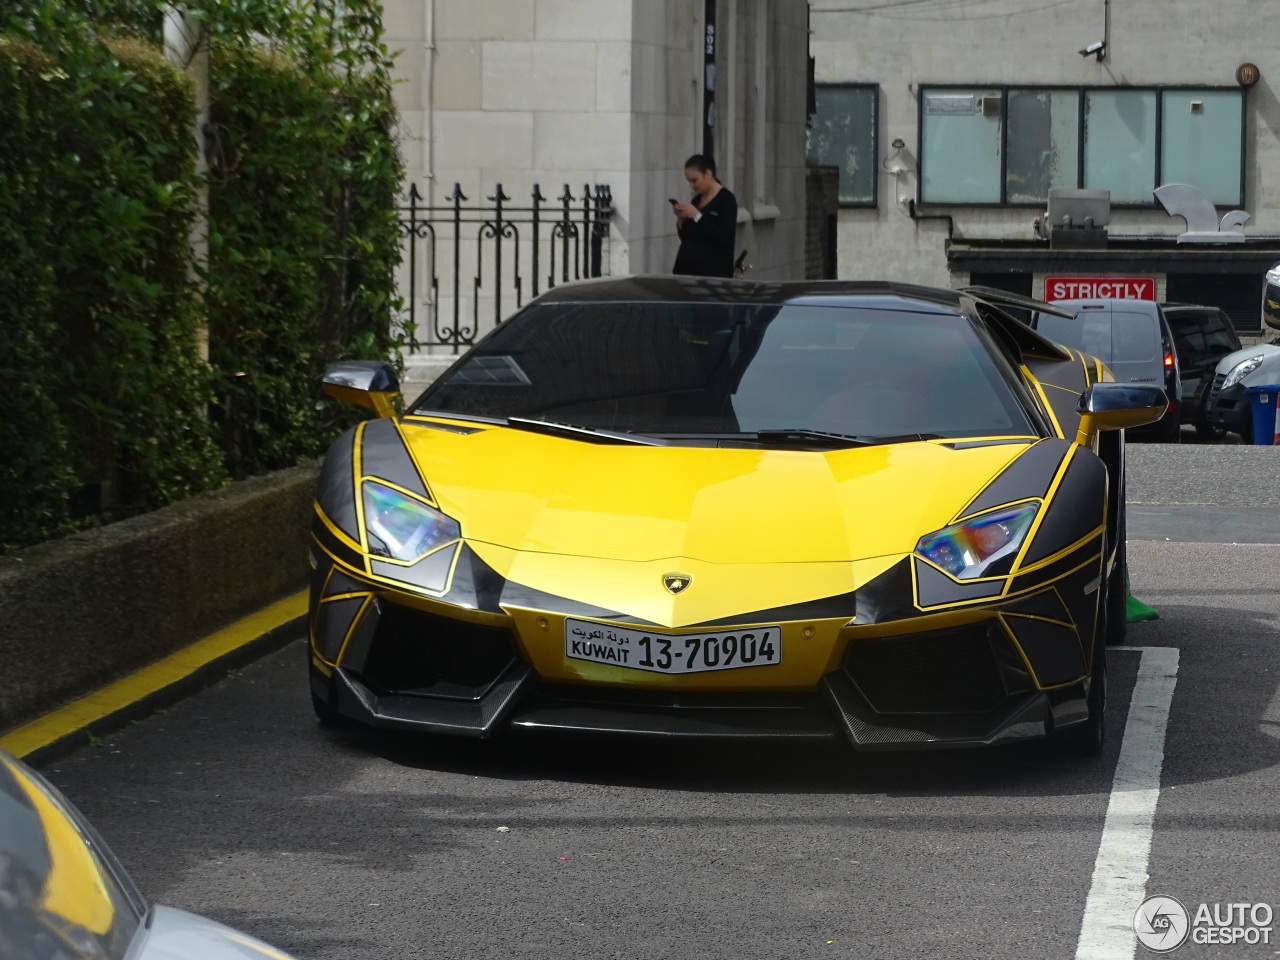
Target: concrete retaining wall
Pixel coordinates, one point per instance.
(77, 613)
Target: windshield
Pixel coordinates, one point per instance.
(671, 369)
(61, 897)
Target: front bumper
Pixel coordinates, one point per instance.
(973, 684)
(1228, 408)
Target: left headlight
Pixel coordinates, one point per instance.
(402, 528)
(968, 550)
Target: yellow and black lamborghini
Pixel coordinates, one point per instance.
(682, 507)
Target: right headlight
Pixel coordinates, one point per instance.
(1242, 370)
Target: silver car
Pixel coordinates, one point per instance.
(64, 895)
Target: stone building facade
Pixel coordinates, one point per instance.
(609, 92)
(992, 102)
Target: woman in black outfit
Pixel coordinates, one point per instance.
(707, 225)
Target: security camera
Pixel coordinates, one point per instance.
(1095, 49)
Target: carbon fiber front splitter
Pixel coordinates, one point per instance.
(1027, 716)
(516, 701)
(477, 716)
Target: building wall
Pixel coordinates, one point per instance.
(577, 92)
(1008, 42)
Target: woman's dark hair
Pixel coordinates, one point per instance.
(702, 163)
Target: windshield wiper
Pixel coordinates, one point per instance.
(576, 432)
(803, 435)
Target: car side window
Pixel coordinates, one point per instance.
(1133, 335)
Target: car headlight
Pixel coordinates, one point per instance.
(1242, 370)
(402, 528)
(1273, 276)
(968, 550)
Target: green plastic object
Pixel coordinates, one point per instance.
(1135, 611)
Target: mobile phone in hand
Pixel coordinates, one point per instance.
(672, 200)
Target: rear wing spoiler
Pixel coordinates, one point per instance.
(1028, 341)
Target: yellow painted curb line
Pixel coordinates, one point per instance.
(102, 703)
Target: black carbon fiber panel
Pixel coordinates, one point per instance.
(1053, 649)
(429, 573)
(1028, 476)
(332, 545)
(1046, 604)
(383, 454)
(1059, 568)
(473, 718)
(358, 645)
(333, 620)
(937, 589)
(890, 596)
(339, 582)
(335, 490)
(1076, 508)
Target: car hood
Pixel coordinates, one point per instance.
(534, 493)
(171, 934)
(1266, 373)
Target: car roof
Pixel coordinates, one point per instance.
(1190, 308)
(871, 294)
(668, 288)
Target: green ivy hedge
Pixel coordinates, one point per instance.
(106, 407)
(302, 248)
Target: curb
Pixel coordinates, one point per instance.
(159, 685)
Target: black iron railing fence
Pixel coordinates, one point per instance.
(485, 247)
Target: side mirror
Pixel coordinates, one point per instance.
(1116, 406)
(366, 383)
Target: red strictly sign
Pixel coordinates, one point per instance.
(1099, 288)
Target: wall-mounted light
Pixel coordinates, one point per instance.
(1097, 49)
(900, 166)
(894, 163)
(1247, 74)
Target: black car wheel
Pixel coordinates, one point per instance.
(1208, 433)
(1115, 599)
(1087, 739)
(326, 714)
(1169, 430)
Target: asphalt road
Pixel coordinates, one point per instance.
(236, 804)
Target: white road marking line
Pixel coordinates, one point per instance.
(1119, 882)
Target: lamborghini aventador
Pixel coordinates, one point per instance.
(681, 507)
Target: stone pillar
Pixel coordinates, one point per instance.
(186, 46)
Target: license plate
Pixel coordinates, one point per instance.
(672, 653)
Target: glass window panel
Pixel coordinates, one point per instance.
(843, 134)
(1120, 144)
(960, 146)
(1202, 141)
(1044, 143)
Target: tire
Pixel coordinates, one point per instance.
(1116, 589)
(326, 714)
(1207, 433)
(1087, 739)
(1246, 432)
(1169, 430)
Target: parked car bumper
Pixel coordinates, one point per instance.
(1228, 408)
